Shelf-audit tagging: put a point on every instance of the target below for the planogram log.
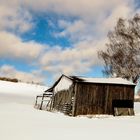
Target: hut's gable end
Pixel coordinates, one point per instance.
(64, 84)
(63, 94)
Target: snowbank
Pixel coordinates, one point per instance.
(23, 122)
(19, 92)
(20, 121)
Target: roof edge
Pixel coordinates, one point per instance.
(83, 79)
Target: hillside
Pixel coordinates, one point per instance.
(21, 121)
(19, 92)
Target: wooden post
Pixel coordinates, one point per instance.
(42, 102)
(51, 104)
(36, 101)
(106, 100)
(74, 100)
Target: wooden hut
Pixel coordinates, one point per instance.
(74, 96)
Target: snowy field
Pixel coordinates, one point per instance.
(20, 121)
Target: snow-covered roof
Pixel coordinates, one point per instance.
(103, 80)
(119, 81)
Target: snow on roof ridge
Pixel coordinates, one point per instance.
(113, 80)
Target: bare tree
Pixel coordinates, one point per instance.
(122, 57)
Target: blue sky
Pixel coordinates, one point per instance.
(40, 40)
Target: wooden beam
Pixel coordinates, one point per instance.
(41, 102)
(74, 101)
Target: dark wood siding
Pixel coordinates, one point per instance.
(98, 98)
(63, 97)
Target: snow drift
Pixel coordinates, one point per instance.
(19, 92)
(19, 120)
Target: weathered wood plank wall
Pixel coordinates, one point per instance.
(91, 98)
(62, 98)
(97, 98)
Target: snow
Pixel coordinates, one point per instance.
(67, 81)
(21, 121)
(107, 80)
(19, 92)
(63, 84)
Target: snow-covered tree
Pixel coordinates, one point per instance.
(122, 56)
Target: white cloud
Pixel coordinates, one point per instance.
(79, 59)
(11, 72)
(82, 8)
(15, 18)
(76, 31)
(84, 22)
(123, 11)
(12, 46)
(88, 35)
(94, 19)
(90, 14)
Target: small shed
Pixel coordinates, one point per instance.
(74, 95)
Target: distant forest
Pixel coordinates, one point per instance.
(9, 79)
